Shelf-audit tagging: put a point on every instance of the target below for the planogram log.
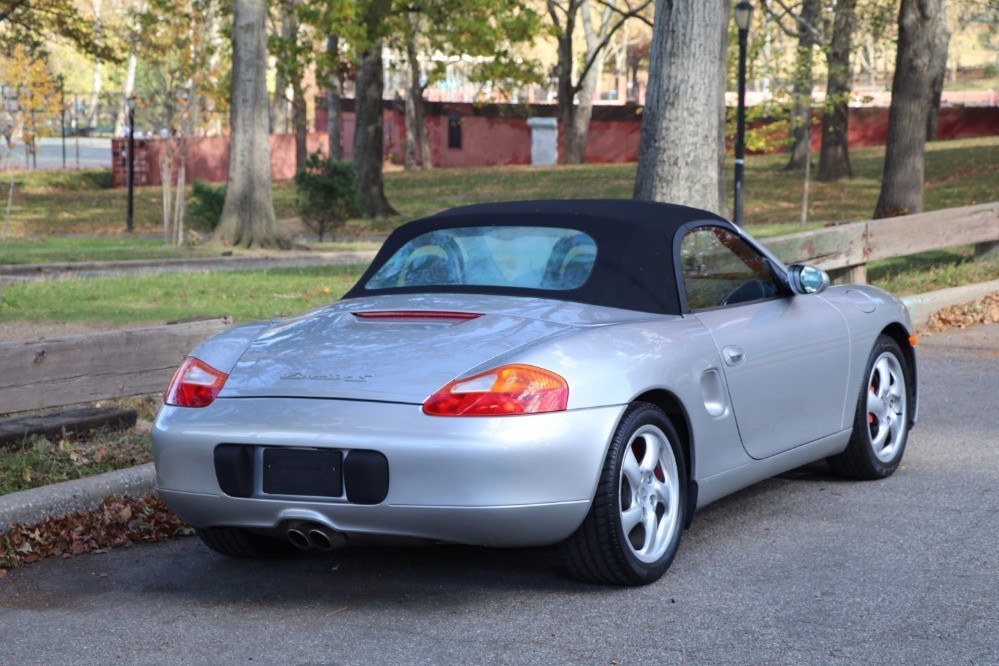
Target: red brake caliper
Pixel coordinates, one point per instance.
(870, 417)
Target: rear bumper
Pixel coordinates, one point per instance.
(523, 525)
(508, 481)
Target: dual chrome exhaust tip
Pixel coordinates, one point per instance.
(308, 536)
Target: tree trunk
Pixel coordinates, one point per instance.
(415, 96)
(621, 66)
(127, 86)
(248, 213)
(834, 158)
(575, 149)
(96, 78)
(280, 115)
(180, 204)
(94, 102)
(565, 90)
(902, 180)
(801, 111)
(411, 141)
(678, 159)
(938, 71)
(333, 101)
(722, 66)
(368, 141)
(213, 126)
(279, 107)
(300, 126)
(165, 163)
(422, 140)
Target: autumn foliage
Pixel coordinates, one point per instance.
(118, 521)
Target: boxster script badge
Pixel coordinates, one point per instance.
(331, 378)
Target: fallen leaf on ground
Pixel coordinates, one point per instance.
(118, 521)
(983, 311)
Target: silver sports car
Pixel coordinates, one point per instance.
(580, 373)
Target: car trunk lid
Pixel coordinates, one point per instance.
(398, 354)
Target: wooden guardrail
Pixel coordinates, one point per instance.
(84, 368)
(844, 250)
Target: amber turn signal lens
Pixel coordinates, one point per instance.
(507, 390)
(913, 339)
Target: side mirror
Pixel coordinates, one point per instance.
(806, 279)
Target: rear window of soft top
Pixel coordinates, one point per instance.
(547, 258)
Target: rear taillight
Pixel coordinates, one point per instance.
(195, 384)
(507, 390)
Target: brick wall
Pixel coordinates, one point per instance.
(496, 135)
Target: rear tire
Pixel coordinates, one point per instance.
(632, 531)
(881, 423)
(243, 544)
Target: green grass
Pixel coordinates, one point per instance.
(929, 271)
(245, 295)
(37, 461)
(84, 202)
(958, 173)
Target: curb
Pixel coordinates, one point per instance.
(922, 306)
(59, 499)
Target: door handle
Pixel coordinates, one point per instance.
(733, 355)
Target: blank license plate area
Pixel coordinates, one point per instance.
(303, 472)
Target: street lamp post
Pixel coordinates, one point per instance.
(131, 164)
(743, 16)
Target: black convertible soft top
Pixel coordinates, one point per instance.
(635, 239)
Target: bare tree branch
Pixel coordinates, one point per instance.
(630, 12)
(622, 17)
(806, 27)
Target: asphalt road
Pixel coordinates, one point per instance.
(81, 153)
(805, 568)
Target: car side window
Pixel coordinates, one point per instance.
(719, 268)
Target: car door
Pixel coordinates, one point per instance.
(785, 357)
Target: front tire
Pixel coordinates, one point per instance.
(881, 423)
(633, 529)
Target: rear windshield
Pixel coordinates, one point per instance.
(521, 257)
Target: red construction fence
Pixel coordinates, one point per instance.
(464, 135)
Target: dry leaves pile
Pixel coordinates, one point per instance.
(983, 311)
(116, 522)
